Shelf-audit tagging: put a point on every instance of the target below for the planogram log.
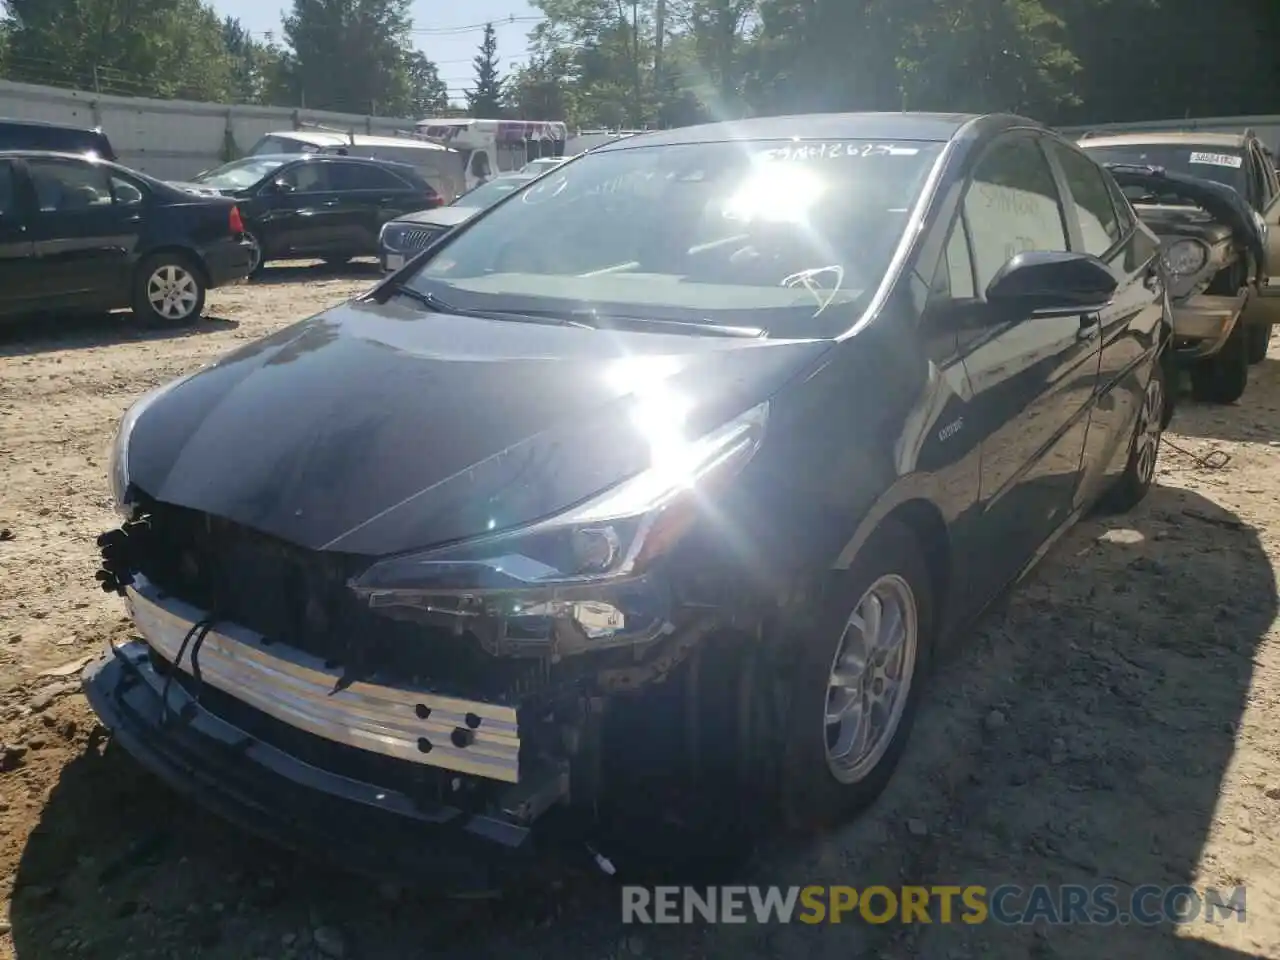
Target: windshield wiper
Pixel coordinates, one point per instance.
(620, 320)
(437, 305)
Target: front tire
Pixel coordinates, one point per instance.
(1259, 339)
(1144, 448)
(1223, 377)
(168, 291)
(857, 682)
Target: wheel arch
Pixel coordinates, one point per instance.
(187, 253)
(908, 505)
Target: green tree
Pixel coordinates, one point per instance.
(428, 94)
(350, 55)
(254, 64)
(544, 88)
(159, 48)
(485, 99)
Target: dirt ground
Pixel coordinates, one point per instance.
(1117, 720)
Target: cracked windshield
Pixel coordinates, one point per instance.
(792, 239)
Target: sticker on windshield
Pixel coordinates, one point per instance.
(1218, 160)
(834, 151)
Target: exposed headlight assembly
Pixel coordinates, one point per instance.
(1183, 258)
(584, 579)
(118, 460)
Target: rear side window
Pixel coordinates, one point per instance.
(358, 176)
(1095, 211)
(1012, 206)
(8, 190)
(67, 186)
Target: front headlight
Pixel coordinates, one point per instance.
(585, 578)
(392, 236)
(118, 461)
(1185, 257)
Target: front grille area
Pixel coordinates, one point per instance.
(299, 597)
(417, 238)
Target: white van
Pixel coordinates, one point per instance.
(493, 147)
(441, 166)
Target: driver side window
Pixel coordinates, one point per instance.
(1012, 206)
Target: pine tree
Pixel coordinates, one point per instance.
(486, 99)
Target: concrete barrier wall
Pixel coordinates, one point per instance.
(174, 139)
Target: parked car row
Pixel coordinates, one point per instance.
(82, 233)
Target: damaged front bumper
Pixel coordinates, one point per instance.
(296, 798)
(1202, 323)
(358, 826)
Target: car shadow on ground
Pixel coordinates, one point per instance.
(1081, 734)
(49, 334)
(1254, 418)
(307, 271)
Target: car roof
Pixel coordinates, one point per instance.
(45, 124)
(55, 154)
(330, 158)
(1167, 137)
(328, 138)
(815, 126)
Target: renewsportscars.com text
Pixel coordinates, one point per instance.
(1146, 905)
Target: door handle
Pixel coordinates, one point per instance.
(329, 203)
(136, 218)
(1090, 327)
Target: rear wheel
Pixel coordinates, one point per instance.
(1223, 377)
(857, 682)
(1144, 449)
(1259, 339)
(168, 291)
(257, 253)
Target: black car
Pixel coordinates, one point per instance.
(82, 234)
(405, 236)
(697, 489)
(55, 137)
(329, 207)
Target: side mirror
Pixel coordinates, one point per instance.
(1043, 281)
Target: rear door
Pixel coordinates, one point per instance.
(1033, 377)
(369, 195)
(19, 288)
(1265, 308)
(85, 242)
(1130, 327)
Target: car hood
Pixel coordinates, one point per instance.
(440, 216)
(1218, 200)
(374, 429)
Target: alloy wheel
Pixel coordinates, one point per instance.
(1147, 439)
(173, 292)
(870, 678)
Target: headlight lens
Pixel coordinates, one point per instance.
(1185, 257)
(118, 461)
(585, 575)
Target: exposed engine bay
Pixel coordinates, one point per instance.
(1212, 243)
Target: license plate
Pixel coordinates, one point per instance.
(394, 261)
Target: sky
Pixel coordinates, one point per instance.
(448, 33)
